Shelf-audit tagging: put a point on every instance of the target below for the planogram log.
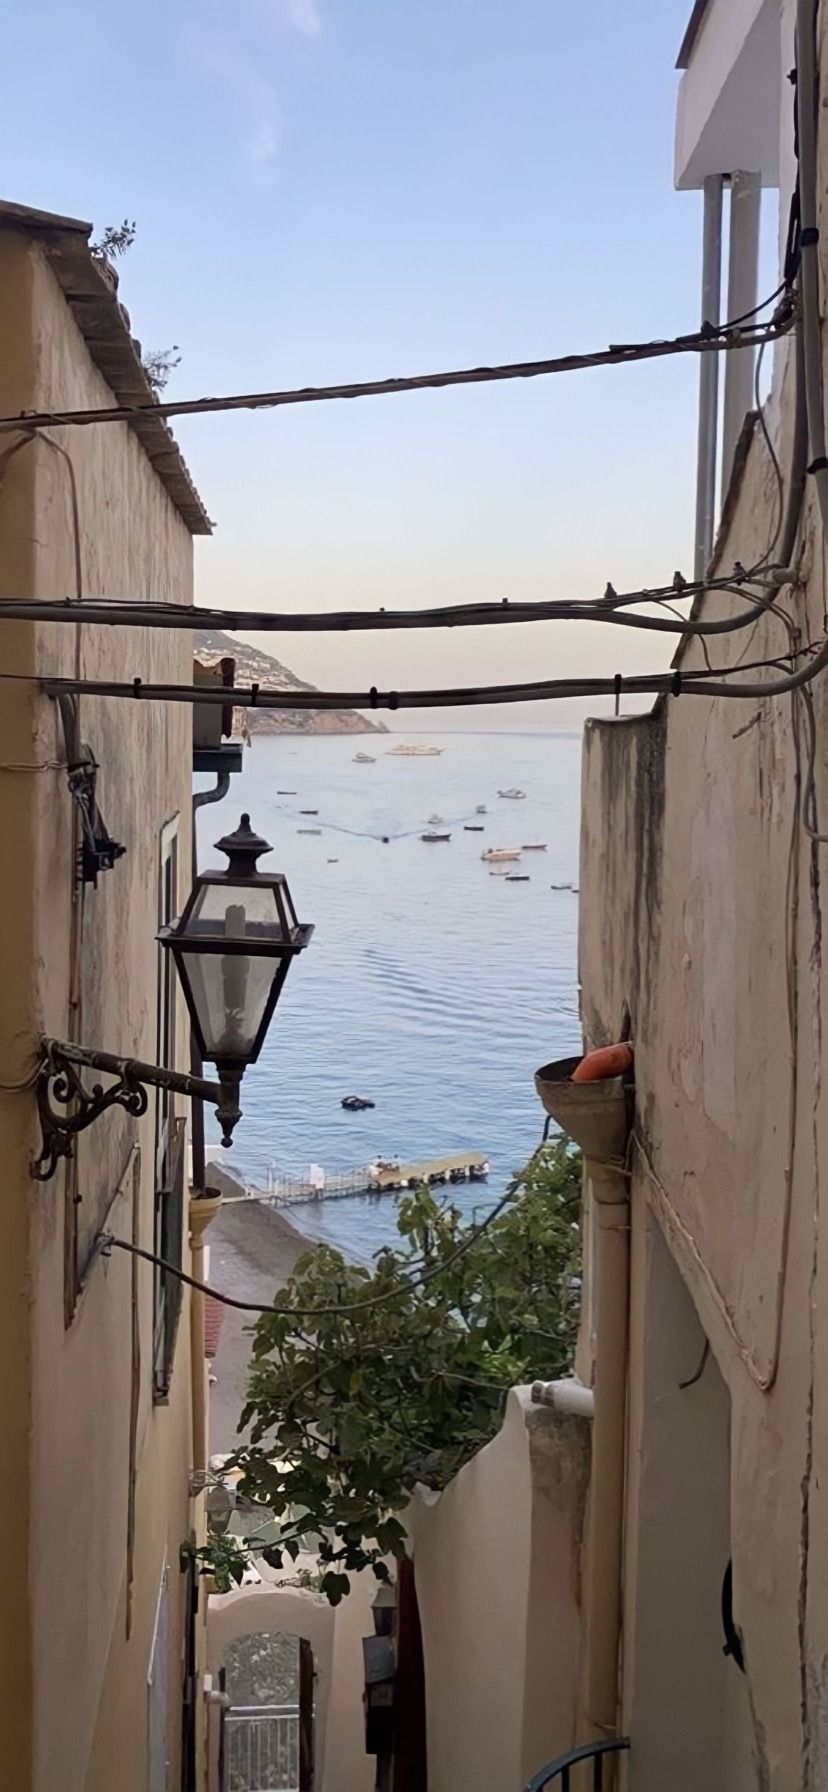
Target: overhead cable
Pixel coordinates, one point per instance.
(126, 613)
(710, 339)
(455, 697)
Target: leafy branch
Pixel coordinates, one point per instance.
(114, 241)
(348, 1410)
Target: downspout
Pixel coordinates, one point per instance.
(598, 1116)
(204, 1205)
(708, 378)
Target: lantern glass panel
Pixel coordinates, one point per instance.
(229, 994)
(241, 912)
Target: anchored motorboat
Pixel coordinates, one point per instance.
(535, 846)
(497, 855)
(431, 837)
(364, 759)
(516, 795)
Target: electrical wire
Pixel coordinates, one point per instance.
(125, 612)
(711, 338)
(677, 683)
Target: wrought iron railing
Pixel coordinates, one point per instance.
(560, 1770)
(261, 1749)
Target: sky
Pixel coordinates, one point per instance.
(333, 190)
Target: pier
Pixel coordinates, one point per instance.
(384, 1177)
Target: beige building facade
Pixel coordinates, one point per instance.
(96, 1396)
(702, 935)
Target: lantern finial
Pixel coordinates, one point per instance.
(243, 847)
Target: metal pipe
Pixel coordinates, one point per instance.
(202, 797)
(708, 377)
(611, 1271)
(742, 294)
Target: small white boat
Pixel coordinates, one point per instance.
(516, 795)
(498, 855)
(364, 759)
(435, 821)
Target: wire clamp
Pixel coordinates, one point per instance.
(818, 465)
(677, 683)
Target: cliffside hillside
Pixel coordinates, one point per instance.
(255, 667)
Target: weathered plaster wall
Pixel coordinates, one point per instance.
(702, 908)
(69, 1431)
(497, 1565)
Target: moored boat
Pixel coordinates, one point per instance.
(431, 837)
(497, 855)
(515, 794)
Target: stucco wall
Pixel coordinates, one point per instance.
(702, 910)
(497, 1566)
(70, 1434)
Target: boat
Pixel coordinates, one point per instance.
(308, 811)
(432, 837)
(517, 877)
(308, 830)
(561, 886)
(417, 752)
(286, 793)
(356, 1103)
(535, 846)
(481, 809)
(516, 795)
(364, 759)
(333, 861)
(497, 855)
(473, 827)
(435, 821)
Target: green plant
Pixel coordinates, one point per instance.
(114, 241)
(158, 364)
(405, 1379)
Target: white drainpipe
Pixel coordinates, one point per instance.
(742, 293)
(597, 1116)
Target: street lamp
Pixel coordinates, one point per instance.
(233, 947)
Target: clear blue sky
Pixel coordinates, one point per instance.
(330, 189)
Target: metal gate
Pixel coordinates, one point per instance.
(261, 1749)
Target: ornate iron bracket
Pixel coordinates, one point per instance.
(66, 1107)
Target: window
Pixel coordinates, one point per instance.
(169, 1134)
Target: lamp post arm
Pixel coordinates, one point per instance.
(77, 1107)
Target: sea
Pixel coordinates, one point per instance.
(431, 986)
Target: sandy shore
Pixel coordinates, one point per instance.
(253, 1249)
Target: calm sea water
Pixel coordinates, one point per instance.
(430, 985)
